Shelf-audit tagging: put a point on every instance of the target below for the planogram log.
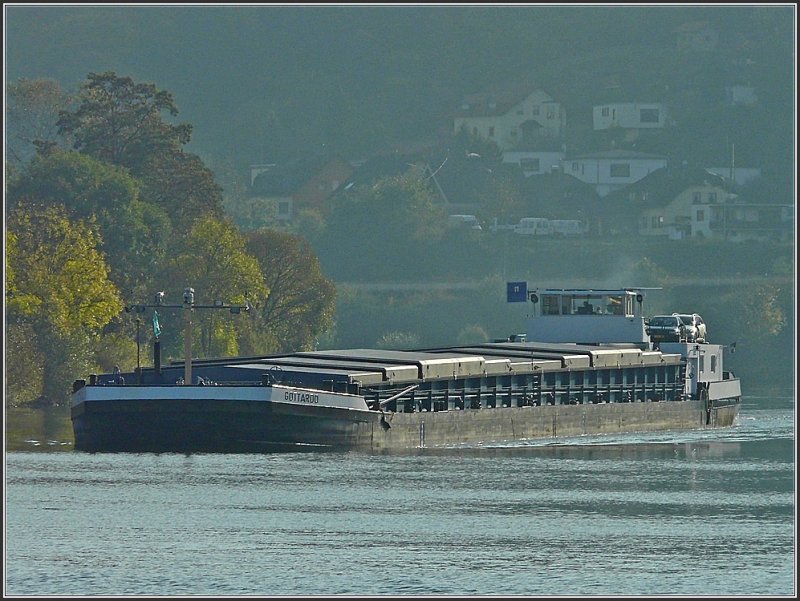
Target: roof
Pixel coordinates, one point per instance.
(287, 178)
(617, 154)
(663, 185)
(499, 99)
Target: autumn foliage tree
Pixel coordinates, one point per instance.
(212, 259)
(300, 300)
(126, 213)
(61, 289)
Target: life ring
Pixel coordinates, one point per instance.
(534, 298)
(639, 298)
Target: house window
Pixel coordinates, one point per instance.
(551, 114)
(620, 170)
(701, 215)
(648, 115)
(712, 197)
(575, 166)
(696, 198)
(657, 221)
(535, 110)
(604, 111)
(491, 131)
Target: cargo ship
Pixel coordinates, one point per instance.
(587, 365)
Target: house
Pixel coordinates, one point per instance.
(514, 117)
(696, 36)
(690, 202)
(629, 115)
(302, 184)
(741, 95)
(612, 170)
(736, 176)
(534, 162)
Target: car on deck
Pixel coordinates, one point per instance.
(666, 328)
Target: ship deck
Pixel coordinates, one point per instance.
(492, 374)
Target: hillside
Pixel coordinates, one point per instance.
(270, 83)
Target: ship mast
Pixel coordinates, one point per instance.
(188, 307)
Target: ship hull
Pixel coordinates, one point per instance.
(247, 426)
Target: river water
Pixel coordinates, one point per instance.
(695, 513)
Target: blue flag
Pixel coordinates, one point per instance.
(156, 327)
(516, 292)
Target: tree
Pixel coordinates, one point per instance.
(300, 304)
(32, 110)
(134, 233)
(119, 121)
(213, 260)
(81, 183)
(61, 288)
(398, 341)
(183, 186)
(399, 208)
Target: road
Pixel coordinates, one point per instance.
(474, 285)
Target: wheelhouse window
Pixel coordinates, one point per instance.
(551, 304)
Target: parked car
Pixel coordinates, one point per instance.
(567, 227)
(666, 328)
(695, 326)
(469, 221)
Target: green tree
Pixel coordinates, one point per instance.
(398, 219)
(81, 183)
(61, 288)
(32, 110)
(398, 341)
(213, 260)
(134, 233)
(300, 304)
(120, 122)
(183, 186)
